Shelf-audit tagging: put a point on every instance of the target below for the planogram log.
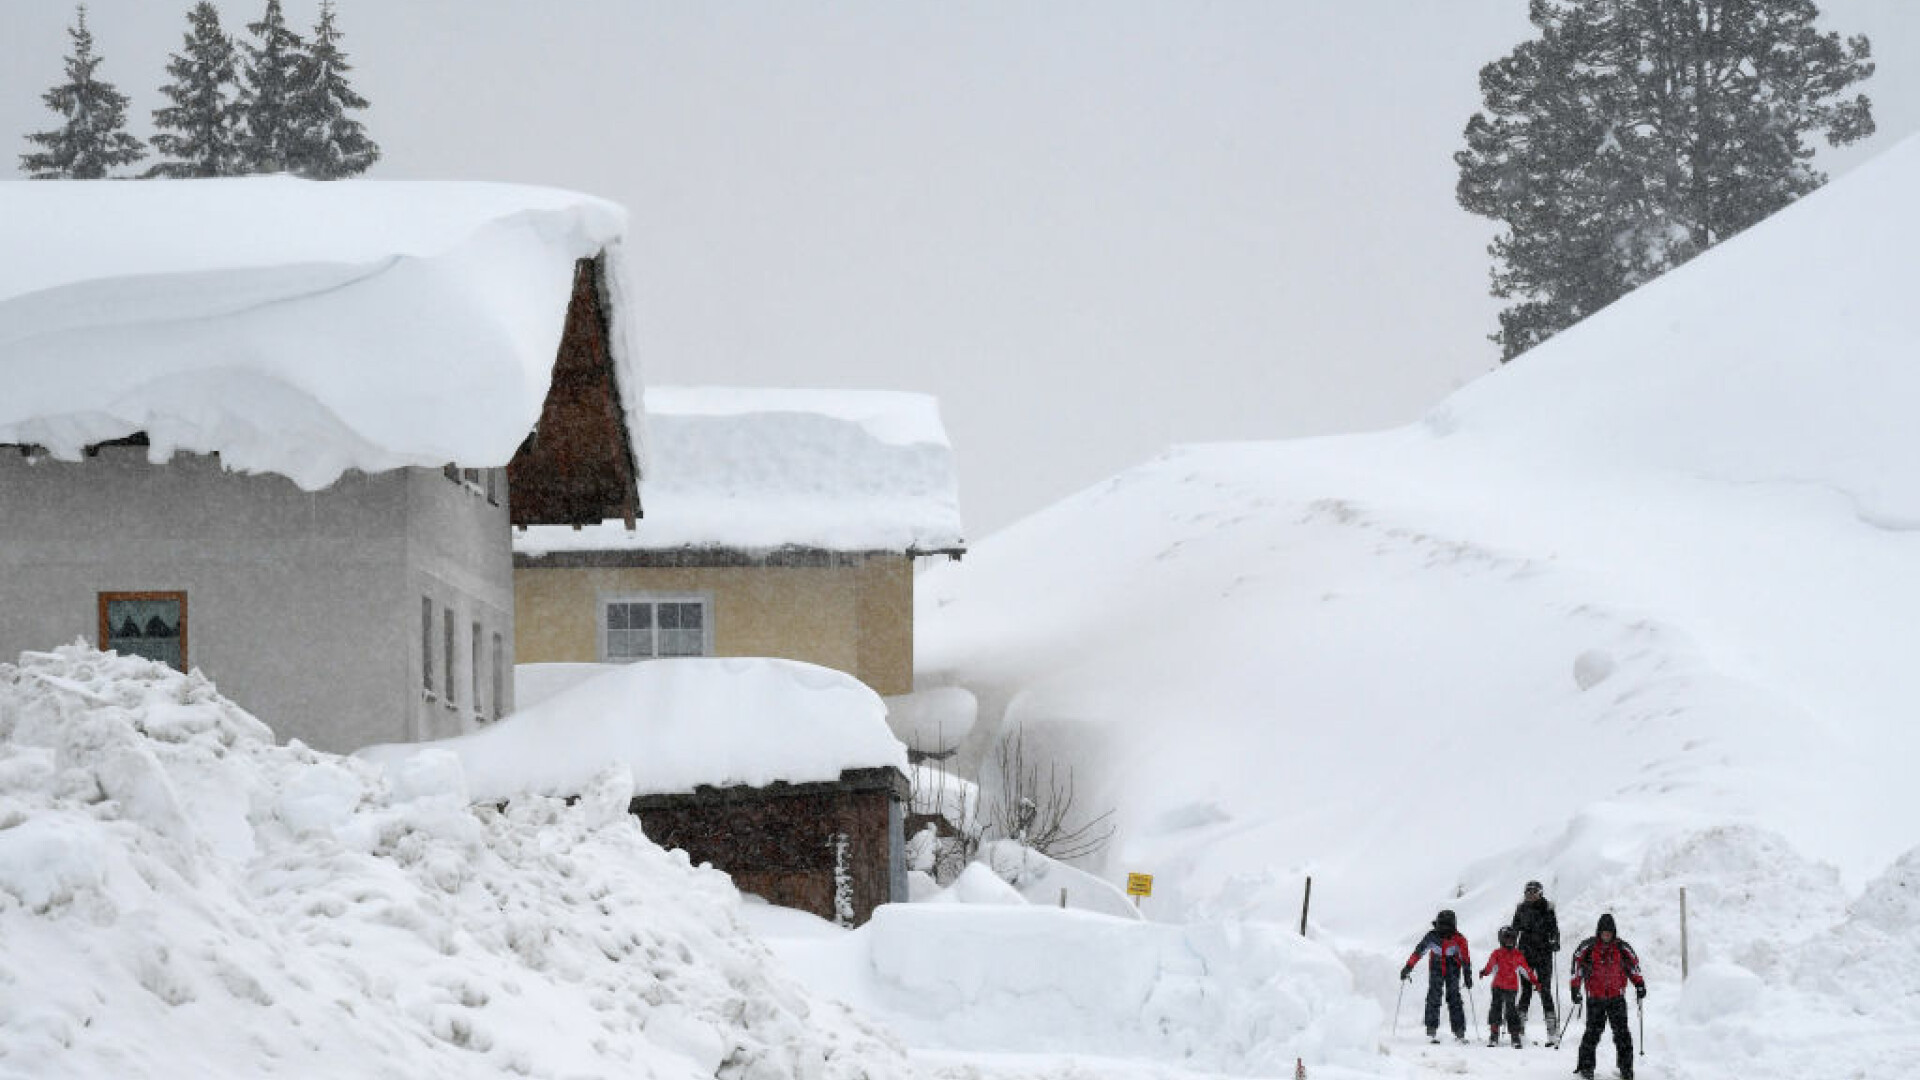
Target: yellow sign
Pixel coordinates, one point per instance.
(1139, 884)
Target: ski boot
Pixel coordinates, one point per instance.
(1433, 1035)
(1493, 1037)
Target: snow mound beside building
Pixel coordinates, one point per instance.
(181, 897)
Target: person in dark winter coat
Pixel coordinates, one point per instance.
(1538, 929)
(1604, 965)
(1510, 972)
(1448, 964)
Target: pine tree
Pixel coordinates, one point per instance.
(94, 137)
(270, 132)
(200, 131)
(1632, 135)
(331, 145)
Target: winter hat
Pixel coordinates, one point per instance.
(1606, 924)
(1444, 921)
(1533, 886)
(1508, 937)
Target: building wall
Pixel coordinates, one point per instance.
(460, 557)
(303, 607)
(789, 846)
(856, 617)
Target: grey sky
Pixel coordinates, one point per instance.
(1092, 229)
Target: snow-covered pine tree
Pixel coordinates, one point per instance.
(331, 145)
(94, 137)
(200, 131)
(1631, 135)
(268, 80)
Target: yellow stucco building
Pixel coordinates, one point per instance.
(776, 523)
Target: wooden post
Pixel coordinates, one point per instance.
(1682, 932)
(1304, 902)
(1063, 897)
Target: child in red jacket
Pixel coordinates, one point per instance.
(1508, 967)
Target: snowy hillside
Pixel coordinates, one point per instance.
(1633, 614)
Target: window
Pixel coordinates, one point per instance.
(645, 628)
(149, 624)
(478, 707)
(426, 645)
(446, 679)
(499, 676)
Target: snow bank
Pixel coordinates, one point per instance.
(294, 327)
(1042, 880)
(1246, 999)
(676, 725)
(759, 470)
(179, 897)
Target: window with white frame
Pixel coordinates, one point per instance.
(650, 627)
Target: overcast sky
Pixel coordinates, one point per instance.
(1091, 229)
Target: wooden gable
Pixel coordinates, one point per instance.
(577, 467)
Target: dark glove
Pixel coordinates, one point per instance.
(1639, 992)
(1406, 973)
(1467, 977)
(1576, 996)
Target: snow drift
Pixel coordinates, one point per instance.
(180, 897)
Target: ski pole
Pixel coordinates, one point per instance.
(1551, 982)
(1567, 1023)
(1397, 998)
(1639, 1010)
(1473, 1011)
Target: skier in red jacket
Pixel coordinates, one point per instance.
(1605, 965)
(1508, 966)
(1448, 964)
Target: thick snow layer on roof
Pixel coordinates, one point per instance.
(678, 724)
(758, 469)
(293, 327)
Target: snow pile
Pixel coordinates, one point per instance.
(1239, 998)
(759, 470)
(294, 327)
(676, 725)
(180, 897)
(1039, 879)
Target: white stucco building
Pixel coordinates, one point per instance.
(279, 430)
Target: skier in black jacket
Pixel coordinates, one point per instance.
(1539, 932)
(1448, 965)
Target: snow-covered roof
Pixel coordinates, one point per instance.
(763, 469)
(676, 724)
(294, 327)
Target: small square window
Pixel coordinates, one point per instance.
(149, 624)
